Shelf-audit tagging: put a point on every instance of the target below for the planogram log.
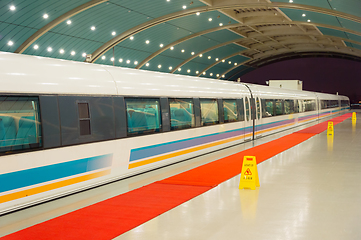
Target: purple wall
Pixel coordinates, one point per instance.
(328, 75)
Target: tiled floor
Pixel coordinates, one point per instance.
(311, 191)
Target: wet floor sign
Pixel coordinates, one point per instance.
(249, 173)
(353, 116)
(330, 128)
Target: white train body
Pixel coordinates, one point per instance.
(61, 162)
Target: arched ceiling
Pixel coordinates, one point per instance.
(209, 38)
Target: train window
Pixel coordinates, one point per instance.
(289, 106)
(309, 105)
(247, 108)
(344, 103)
(181, 113)
(230, 110)
(209, 111)
(20, 125)
(267, 108)
(143, 115)
(258, 108)
(241, 109)
(84, 119)
(278, 107)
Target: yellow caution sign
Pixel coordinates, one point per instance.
(353, 116)
(330, 128)
(249, 173)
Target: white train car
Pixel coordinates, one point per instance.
(68, 126)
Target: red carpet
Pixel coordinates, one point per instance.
(117, 215)
(318, 128)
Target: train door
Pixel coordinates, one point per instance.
(248, 122)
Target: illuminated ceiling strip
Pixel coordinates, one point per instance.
(55, 22)
(121, 37)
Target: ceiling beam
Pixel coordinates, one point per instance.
(55, 22)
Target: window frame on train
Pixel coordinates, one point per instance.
(214, 100)
(172, 116)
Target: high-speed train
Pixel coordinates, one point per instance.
(67, 126)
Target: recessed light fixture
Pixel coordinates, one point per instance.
(182, 50)
(291, 1)
(112, 59)
(45, 16)
(103, 57)
(197, 72)
(84, 54)
(131, 37)
(209, 57)
(198, 13)
(223, 76)
(229, 62)
(92, 28)
(217, 59)
(128, 61)
(168, 0)
(12, 8)
(200, 55)
(10, 43)
(61, 51)
(221, 24)
(159, 66)
(184, 7)
(147, 64)
(72, 53)
(120, 59)
(68, 22)
(308, 20)
(36, 46)
(223, 60)
(210, 19)
(211, 74)
(135, 62)
(303, 15)
(192, 53)
(235, 64)
(114, 33)
(188, 71)
(170, 68)
(171, 48)
(217, 75)
(49, 49)
(161, 45)
(147, 41)
(179, 69)
(204, 73)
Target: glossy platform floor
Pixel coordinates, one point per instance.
(311, 191)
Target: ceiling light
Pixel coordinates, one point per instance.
(291, 1)
(62, 51)
(211, 74)
(36, 46)
(303, 15)
(217, 75)
(198, 13)
(68, 22)
(209, 57)
(128, 61)
(92, 28)
(147, 64)
(114, 33)
(50, 49)
(161, 45)
(112, 59)
(223, 60)
(184, 7)
(171, 48)
(170, 68)
(120, 59)
(204, 73)
(221, 24)
(72, 53)
(217, 59)
(235, 64)
(103, 57)
(135, 62)
(179, 69)
(210, 19)
(168, 0)
(12, 8)
(84, 54)
(45, 16)
(159, 66)
(10, 43)
(182, 50)
(200, 55)
(308, 20)
(229, 62)
(188, 71)
(147, 42)
(192, 53)
(131, 37)
(223, 76)
(197, 72)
